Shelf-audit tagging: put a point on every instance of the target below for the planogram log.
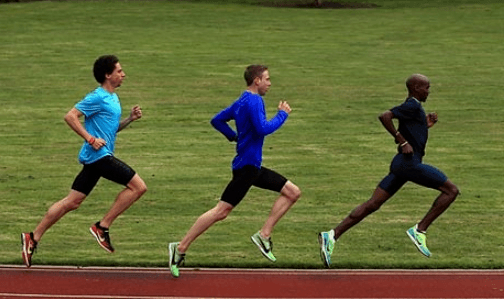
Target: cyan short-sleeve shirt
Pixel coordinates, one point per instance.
(102, 112)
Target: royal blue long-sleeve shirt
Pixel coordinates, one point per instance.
(249, 115)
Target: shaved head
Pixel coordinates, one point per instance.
(415, 80)
(418, 87)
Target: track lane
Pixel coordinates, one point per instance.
(73, 282)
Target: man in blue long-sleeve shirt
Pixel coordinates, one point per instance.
(249, 115)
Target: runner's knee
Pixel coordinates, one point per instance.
(71, 203)
(450, 189)
(296, 195)
(291, 191)
(141, 189)
(138, 186)
(221, 214)
(454, 191)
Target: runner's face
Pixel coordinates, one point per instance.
(117, 76)
(264, 83)
(423, 91)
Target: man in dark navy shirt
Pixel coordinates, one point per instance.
(406, 166)
(249, 115)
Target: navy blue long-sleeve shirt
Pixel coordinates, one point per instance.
(249, 115)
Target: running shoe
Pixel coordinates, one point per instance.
(175, 259)
(101, 235)
(28, 246)
(418, 239)
(265, 245)
(326, 241)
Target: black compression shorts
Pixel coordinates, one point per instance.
(249, 176)
(108, 167)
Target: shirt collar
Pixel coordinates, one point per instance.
(416, 100)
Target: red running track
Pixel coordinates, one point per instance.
(136, 283)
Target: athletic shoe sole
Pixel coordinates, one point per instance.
(323, 254)
(24, 246)
(172, 247)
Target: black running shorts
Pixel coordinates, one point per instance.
(108, 167)
(249, 176)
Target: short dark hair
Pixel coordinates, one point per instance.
(254, 71)
(104, 65)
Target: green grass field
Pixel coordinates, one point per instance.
(184, 62)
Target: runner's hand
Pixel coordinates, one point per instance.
(136, 113)
(407, 149)
(283, 105)
(432, 118)
(98, 143)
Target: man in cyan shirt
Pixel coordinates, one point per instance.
(102, 121)
(249, 115)
(406, 166)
